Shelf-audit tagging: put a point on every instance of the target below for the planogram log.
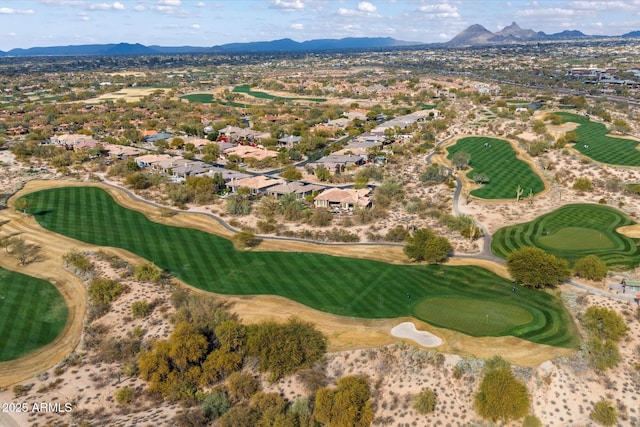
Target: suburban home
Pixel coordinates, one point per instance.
(338, 162)
(157, 136)
(343, 199)
(288, 141)
(72, 140)
(190, 168)
(257, 184)
(150, 159)
(227, 174)
(122, 152)
(234, 133)
(167, 165)
(300, 189)
(247, 151)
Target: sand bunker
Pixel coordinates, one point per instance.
(632, 231)
(408, 330)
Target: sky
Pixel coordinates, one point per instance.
(29, 23)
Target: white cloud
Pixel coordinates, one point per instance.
(297, 26)
(118, 6)
(85, 18)
(549, 12)
(10, 11)
(139, 8)
(440, 10)
(195, 26)
(288, 5)
(173, 3)
(200, 4)
(365, 6)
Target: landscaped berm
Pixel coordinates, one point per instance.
(338, 285)
(573, 232)
(32, 314)
(496, 159)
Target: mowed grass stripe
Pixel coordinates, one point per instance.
(350, 287)
(598, 222)
(601, 147)
(497, 160)
(32, 314)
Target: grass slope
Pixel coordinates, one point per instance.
(572, 232)
(32, 314)
(343, 286)
(602, 148)
(500, 164)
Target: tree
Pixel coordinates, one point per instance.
(460, 160)
(347, 405)
(246, 239)
(241, 386)
(187, 345)
(24, 252)
(590, 267)
(425, 401)
(322, 173)
(290, 173)
(215, 404)
(604, 413)
(22, 205)
(501, 396)
(124, 395)
(424, 245)
(605, 324)
(138, 181)
(535, 268)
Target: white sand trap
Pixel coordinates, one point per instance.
(408, 330)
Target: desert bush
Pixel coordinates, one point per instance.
(425, 401)
(124, 395)
(590, 267)
(148, 272)
(582, 184)
(77, 260)
(604, 413)
(141, 308)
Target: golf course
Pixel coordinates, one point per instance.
(479, 303)
(572, 232)
(33, 312)
(594, 142)
(497, 160)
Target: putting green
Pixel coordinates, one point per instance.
(573, 232)
(476, 317)
(343, 286)
(32, 314)
(577, 238)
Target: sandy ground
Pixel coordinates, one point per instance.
(409, 331)
(129, 94)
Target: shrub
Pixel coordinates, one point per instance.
(531, 421)
(396, 234)
(604, 413)
(140, 309)
(124, 395)
(77, 260)
(590, 267)
(424, 245)
(582, 184)
(215, 404)
(246, 239)
(425, 401)
(103, 291)
(148, 272)
(501, 396)
(535, 268)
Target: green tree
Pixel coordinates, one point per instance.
(501, 396)
(535, 268)
(147, 272)
(187, 346)
(322, 173)
(460, 160)
(138, 181)
(240, 416)
(290, 173)
(425, 401)
(605, 324)
(246, 239)
(347, 405)
(590, 267)
(231, 335)
(604, 413)
(215, 404)
(424, 245)
(21, 205)
(241, 386)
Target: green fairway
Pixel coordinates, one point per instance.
(602, 148)
(476, 316)
(32, 314)
(343, 286)
(497, 160)
(263, 95)
(572, 232)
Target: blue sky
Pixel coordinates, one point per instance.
(212, 22)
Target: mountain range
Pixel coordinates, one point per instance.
(475, 35)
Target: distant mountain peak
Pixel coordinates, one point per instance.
(478, 35)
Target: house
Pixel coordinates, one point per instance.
(343, 199)
(247, 151)
(190, 168)
(257, 184)
(288, 141)
(71, 140)
(122, 152)
(155, 137)
(338, 162)
(150, 159)
(300, 189)
(227, 174)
